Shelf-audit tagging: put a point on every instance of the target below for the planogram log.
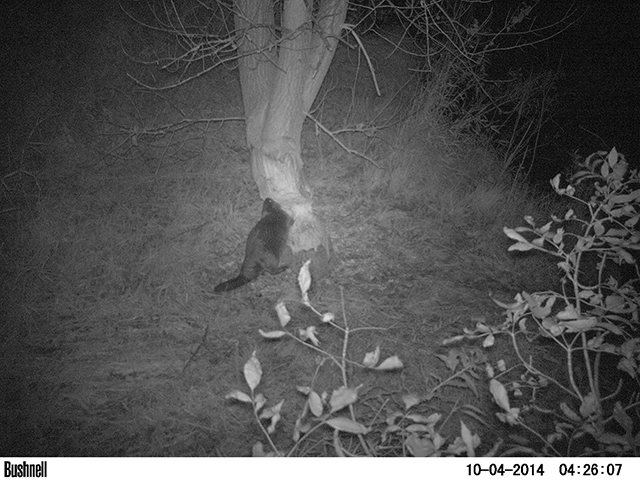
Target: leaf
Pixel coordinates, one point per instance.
(309, 334)
(488, 341)
(371, 358)
(451, 360)
(347, 425)
(590, 406)
(625, 255)
(253, 372)
(434, 418)
(342, 397)
(510, 417)
(628, 348)
(419, 418)
(518, 303)
(299, 429)
(612, 157)
(542, 308)
(315, 404)
(552, 326)
(570, 414)
(512, 234)
(272, 335)
(304, 278)
(260, 401)
(328, 317)
(410, 400)
(583, 324)
(470, 382)
(238, 395)
(628, 365)
(611, 327)
(417, 427)
(586, 294)
(392, 418)
(391, 363)
(569, 313)
(453, 340)
(283, 314)
(612, 438)
(598, 228)
(557, 238)
(623, 198)
(622, 418)
(521, 247)
(482, 328)
(274, 421)
(499, 394)
(467, 438)
(632, 221)
(419, 447)
(257, 450)
(595, 342)
(457, 447)
(545, 229)
(272, 411)
(522, 325)
(337, 445)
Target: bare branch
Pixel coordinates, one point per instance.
(458, 35)
(333, 136)
(366, 55)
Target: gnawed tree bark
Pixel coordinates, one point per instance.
(281, 69)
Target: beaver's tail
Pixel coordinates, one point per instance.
(232, 284)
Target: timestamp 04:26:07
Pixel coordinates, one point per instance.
(610, 469)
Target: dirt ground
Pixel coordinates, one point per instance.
(119, 218)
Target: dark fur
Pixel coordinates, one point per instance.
(265, 245)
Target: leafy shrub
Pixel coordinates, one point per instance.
(404, 430)
(593, 320)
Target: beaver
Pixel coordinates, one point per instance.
(265, 245)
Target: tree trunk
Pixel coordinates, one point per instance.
(281, 70)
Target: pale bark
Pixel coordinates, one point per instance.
(279, 85)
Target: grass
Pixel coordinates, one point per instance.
(112, 341)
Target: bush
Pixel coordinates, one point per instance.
(593, 321)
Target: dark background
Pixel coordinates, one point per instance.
(599, 60)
